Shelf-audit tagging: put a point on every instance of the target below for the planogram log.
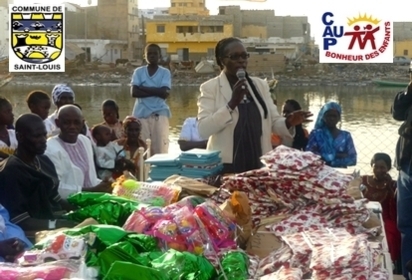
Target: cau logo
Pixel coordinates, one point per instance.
(37, 39)
(360, 39)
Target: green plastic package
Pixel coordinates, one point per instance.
(184, 266)
(234, 264)
(108, 212)
(124, 251)
(108, 244)
(130, 271)
(83, 199)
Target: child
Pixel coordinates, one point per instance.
(8, 140)
(111, 118)
(150, 86)
(131, 144)
(39, 103)
(106, 152)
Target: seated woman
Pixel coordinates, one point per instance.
(300, 140)
(72, 155)
(13, 241)
(8, 141)
(189, 136)
(381, 188)
(238, 115)
(131, 144)
(335, 146)
(28, 179)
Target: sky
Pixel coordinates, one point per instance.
(395, 10)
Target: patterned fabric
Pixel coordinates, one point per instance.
(321, 141)
(6, 149)
(78, 156)
(58, 90)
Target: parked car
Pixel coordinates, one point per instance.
(401, 60)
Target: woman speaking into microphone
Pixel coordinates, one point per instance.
(237, 113)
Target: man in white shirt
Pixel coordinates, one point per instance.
(72, 155)
(189, 136)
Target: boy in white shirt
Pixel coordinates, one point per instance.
(106, 152)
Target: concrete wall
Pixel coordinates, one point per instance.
(4, 32)
(266, 63)
(77, 27)
(254, 31)
(237, 18)
(402, 31)
(113, 19)
(287, 27)
(284, 27)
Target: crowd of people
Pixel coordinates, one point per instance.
(46, 158)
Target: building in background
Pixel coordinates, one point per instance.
(402, 39)
(188, 7)
(150, 13)
(4, 29)
(107, 32)
(191, 33)
(264, 24)
(190, 37)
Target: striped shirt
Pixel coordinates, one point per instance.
(78, 156)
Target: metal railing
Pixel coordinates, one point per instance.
(144, 168)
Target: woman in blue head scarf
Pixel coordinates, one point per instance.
(335, 146)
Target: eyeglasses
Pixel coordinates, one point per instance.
(235, 57)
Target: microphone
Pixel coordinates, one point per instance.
(241, 75)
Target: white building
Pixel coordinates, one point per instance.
(150, 13)
(106, 51)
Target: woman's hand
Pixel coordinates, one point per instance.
(238, 92)
(298, 117)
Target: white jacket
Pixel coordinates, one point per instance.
(217, 124)
(70, 176)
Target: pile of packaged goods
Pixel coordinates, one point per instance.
(184, 229)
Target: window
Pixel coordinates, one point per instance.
(211, 29)
(160, 28)
(405, 52)
(115, 51)
(186, 29)
(173, 4)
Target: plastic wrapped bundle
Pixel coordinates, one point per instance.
(183, 265)
(284, 274)
(234, 265)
